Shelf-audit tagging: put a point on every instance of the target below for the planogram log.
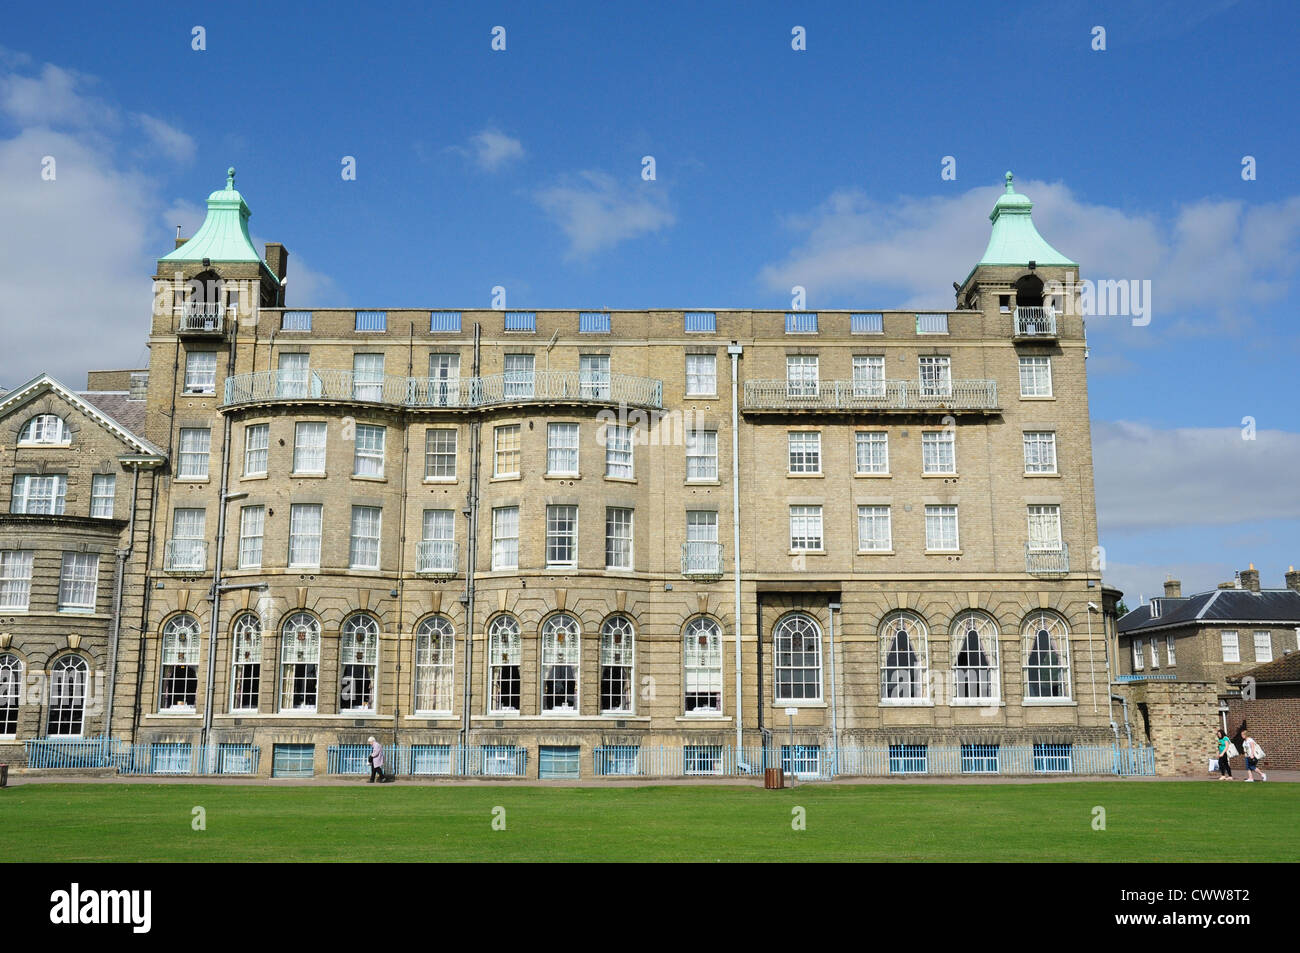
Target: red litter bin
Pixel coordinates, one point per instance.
(773, 779)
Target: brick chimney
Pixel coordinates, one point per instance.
(139, 387)
(1250, 578)
(277, 259)
(1173, 588)
(1293, 579)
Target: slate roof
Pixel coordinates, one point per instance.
(1284, 669)
(116, 404)
(1268, 606)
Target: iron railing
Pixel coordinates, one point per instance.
(436, 557)
(433, 760)
(185, 555)
(203, 317)
(1047, 562)
(897, 395)
(1035, 322)
(701, 558)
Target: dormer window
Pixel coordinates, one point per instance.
(1155, 608)
(45, 429)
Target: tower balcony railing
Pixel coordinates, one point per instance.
(186, 555)
(975, 396)
(1053, 560)
(701, 558)
(425, 392)
(204, 317)
(1033, 322)
(436, 557)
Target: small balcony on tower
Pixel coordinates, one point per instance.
(1035, 324)
(204, 319)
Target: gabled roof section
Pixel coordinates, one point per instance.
(1238, 606)
(1284, 669)
(1015, 240)
(45, 384)
(223, 236)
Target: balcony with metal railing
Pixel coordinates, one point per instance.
(1035, 323)
(186, 556)
(436, 557)
(871, 396)
(702, 559)
(204, 319)
(1042, 561)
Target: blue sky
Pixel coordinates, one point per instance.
(819, 167)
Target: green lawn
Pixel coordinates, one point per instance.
(901, 822)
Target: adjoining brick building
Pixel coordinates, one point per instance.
(1268, 703)
(582, 537)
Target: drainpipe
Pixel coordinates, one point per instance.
(734, 350)
(471, 556)
(122, 556)
(401, 545)
(1092, 657)
(835, 725)
(1127, 729)
(1110, 705)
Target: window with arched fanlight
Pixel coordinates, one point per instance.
(11, 693)
(45, 429)
(179, 683)
(68, 677)
(1046, 655)
(435, 652)
(797, 646)
(299, 662)
(904, 659)
(561, 661)
(358, 662)
(245, 662)
(975, 673)
(702, 664)
(617, 657)
(505, 658)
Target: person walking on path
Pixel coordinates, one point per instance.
(376, 761)
(1225, 746)
(1254, 755)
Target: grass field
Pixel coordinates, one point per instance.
(1003, 822)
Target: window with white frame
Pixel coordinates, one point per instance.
(364, 548)
(257, 439)
(618, 452)
(941, 528)
(975, 658)
(868, 375)
(246, 662)
(45, 429)
(103, 492)
(1045, 528)
(11, 693)
(78, 582)
(617, 656)
(368, 377)
(195, 448)
(701, 455)
(1139, 655)
(505, 445)
(358, 662)
(562, 449)
(593, 376)
(440, 454)
(561, 536)
(299, 662)
(1035, 377)
(936, 376)
(444, 380)
(505, 537)
(1231, 650)
(797, 650)
(435, 653)
(252, 526)
(1046, 655)
(806, 528)
(201, 372)
(618, 537)
(15, 579)
(309, 446)
(801, 375)
(68, 678)
(179, 663)
(189, 542)
(701, 375)
(1040, 451)
(702, 663)
(518, 378)
(939, 451)
(439, 549)
(875, 532)
(505, 656)
(805, 451)
(1170, 656)
(292, 375)
(1263, 647)
(368, 460)
(872, 448)
(45, 495)
(561, 659)
(304, 535)
(904, 659)
(1155, 653)
(702, 551)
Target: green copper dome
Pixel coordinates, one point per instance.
(1015, 241)
(223, 236)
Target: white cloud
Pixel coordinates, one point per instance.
(596, 212)
(53, 98)
(491, 149)
(165, 138)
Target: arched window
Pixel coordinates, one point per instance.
(179, 688)
(975, 658)
(561, 657)
(797, 645)
(246, 662)
(1047, 656)
(702, 660)
(617, 656)
(68, 677)
(905, 659)
(435, 650)
(358, 663)
(1029, 292)
(504, 659)
(45, 429)
(11, 694)
(299, 662)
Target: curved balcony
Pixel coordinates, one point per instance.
(906, 397)
(420, 393)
